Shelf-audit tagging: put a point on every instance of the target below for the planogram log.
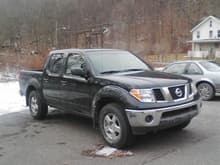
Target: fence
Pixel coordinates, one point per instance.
(198, 54)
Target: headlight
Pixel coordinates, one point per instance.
(194, 89)
(143, 95)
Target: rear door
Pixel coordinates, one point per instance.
(75, 89)
(51, 79)
(194, 72)
(177, 68)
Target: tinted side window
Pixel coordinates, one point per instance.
(176, 68)
(74, 61)
(194, 69)
(56, 63)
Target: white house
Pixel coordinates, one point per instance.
(206, 38)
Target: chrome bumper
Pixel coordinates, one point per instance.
(163, 116)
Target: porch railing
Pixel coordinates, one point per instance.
(217, 54)
(199, 54)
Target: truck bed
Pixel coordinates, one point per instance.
(26, 76)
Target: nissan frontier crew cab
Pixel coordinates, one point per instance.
(120, 92)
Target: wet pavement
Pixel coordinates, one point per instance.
(61, 139)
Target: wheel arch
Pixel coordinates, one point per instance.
(107, 95)
(208, 82)
(34, 85)
(28, 91)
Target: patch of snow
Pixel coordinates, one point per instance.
(106, 151)
(10, 99)
(8, 76)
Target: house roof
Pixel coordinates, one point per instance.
(204, 21)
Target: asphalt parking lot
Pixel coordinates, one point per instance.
(61, 138)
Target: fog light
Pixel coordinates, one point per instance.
(149, 118)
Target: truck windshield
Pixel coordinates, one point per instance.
(109, 62)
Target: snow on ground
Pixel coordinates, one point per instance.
(106, 152)
(10, 99)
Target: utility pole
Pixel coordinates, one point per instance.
(56, 25)
(56, 34)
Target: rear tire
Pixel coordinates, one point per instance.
(114, 126)
(206, 91)
(37, 106)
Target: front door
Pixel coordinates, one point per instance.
(194, 72)
(75, 89)
(212, 50)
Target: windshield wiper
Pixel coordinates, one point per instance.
(130, 70)
(110, 71)
(118, 71)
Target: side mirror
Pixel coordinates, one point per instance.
(78, 72)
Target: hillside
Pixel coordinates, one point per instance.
(30, 27)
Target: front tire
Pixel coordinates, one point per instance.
(114, 126)
(37, 106)
(206, 91)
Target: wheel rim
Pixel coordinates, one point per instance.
(34, 105)
(112, 127)
(205, 91)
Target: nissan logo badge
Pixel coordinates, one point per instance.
(179, 92)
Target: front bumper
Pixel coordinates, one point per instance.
(163, 116)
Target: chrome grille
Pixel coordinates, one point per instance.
(177, 92)
(158, 95)
(172, 93)
(190, 89)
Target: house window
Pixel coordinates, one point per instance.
(198, 34)
(210, 34)
(210, 24)
(218, 33)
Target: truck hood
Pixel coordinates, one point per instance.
(143, 79)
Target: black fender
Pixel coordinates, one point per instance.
(33, 84)
(109, 94)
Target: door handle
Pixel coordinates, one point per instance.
(46, 80)
(64, 83)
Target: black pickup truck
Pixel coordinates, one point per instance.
(120, 92)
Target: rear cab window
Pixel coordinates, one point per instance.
(55, 64)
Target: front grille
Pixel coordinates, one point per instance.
(158, 95)
(172, 93)
(177, 92)
(178, 112)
